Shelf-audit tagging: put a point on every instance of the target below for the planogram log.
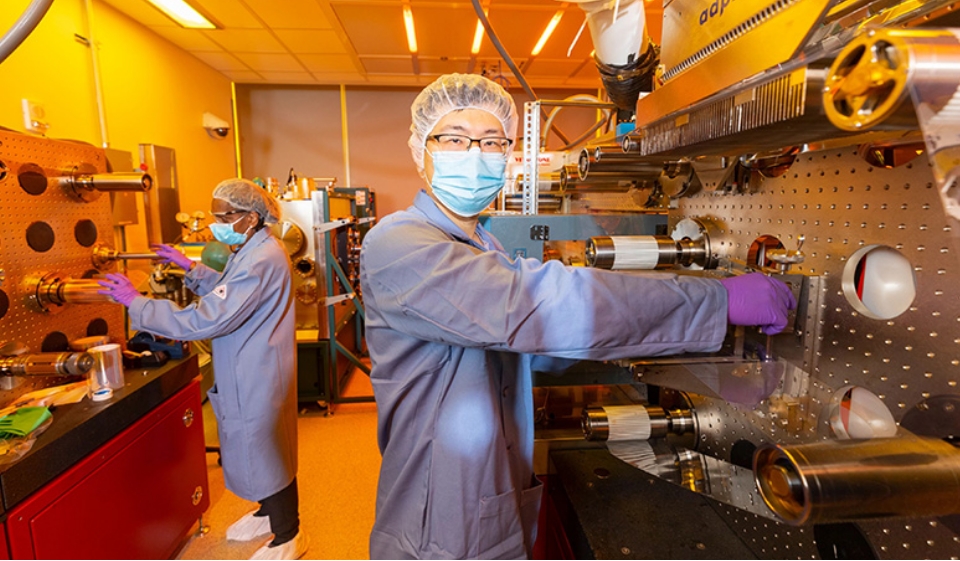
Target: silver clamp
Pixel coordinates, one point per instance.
(331, 300)
(327, 226)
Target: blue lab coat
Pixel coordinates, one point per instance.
(248, 312)
(451, 327)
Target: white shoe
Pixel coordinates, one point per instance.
(293, 549)
(248, 527)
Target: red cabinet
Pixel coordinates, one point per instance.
(136, 497)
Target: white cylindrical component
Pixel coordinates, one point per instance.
(628, 422)
(617, 30)
(635, 252)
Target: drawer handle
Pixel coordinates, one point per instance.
(197, 495)
(188, 417)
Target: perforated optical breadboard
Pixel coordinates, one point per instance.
(24, 158)
(840, 204)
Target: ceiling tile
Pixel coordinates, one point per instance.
(188, 39)
(393, 65)
(261, 62)
(589, 71)
(311, 42)
(232, 14)
(141, 11)
(243, 76)
(551, 67)
(289, 77)
(519, 39)
(437, 66)
(335, 78)
(245, 40)
(374, 29)
(328, 63)
(443, 31)
(290, 14)
(221, 61)
(363, 41)
(563, 36)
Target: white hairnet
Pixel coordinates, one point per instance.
(451, 92)
(243, 194)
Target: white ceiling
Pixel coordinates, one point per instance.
(363, 42)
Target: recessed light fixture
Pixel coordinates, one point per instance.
(547, 33)
(184, 14)
(411, 32)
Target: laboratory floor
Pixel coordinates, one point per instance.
(339, 463)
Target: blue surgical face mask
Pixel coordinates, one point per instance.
(226, 234)
(467, 182)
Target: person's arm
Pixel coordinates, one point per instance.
(449, 292)
(219, 312)
(201, 279)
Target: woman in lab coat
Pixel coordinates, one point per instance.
(453, 324)
(247, 311)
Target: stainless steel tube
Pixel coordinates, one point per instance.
(854, 479)
(47, 364)
(137, 256)
(588, 165)
(569, 181)
(123, 181)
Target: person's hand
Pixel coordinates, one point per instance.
(119, 288)
(756, 299)
(170, 255)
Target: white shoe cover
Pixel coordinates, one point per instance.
(248, 527)
(293, 549)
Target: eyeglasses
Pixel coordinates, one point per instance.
(223, 217)
(461, 143)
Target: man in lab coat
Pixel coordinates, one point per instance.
(247, 311)
(453, 324)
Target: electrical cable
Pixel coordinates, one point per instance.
(578, 97)
(23, 27)
(506, 58)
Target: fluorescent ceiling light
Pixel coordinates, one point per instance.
(477, 38)
(183, 13)
(547, 32)
(411, 32)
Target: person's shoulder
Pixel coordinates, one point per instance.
(405, 226)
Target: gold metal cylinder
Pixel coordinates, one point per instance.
(847, 480)
(80, 291)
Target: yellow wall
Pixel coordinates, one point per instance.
(153, 92)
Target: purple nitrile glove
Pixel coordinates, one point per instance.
(170, 255)
(756, 299)
(119, 288)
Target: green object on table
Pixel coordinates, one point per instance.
(23, 421)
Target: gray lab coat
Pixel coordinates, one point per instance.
(451, 327)
(248, 313)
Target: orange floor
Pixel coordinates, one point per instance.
(339, 462)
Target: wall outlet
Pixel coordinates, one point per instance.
(34, 117)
